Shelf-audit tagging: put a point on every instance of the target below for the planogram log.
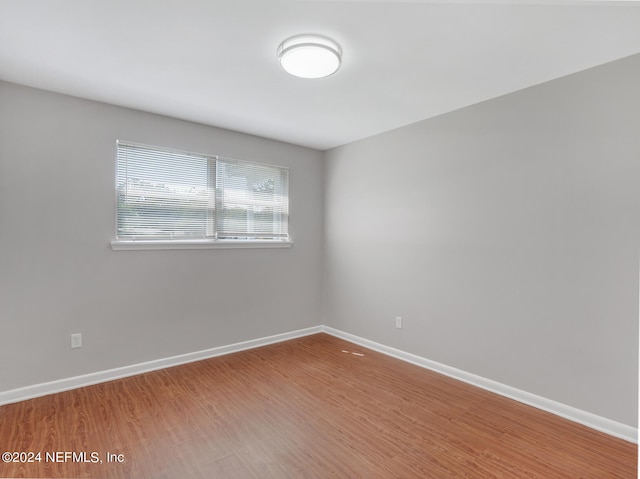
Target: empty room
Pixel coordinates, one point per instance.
(323, 238)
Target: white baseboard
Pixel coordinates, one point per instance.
(44, 389)
(593, 421)
(608, 426)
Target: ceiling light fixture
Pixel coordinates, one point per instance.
(309, 56)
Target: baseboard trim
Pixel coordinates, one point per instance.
(52, 387)
(599, 423)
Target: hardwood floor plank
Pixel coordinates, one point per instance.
(308, 407)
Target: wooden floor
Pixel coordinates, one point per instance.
(306, 408)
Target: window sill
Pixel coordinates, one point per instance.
(129, 245)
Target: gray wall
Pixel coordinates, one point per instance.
(506, 234)
(58, 274)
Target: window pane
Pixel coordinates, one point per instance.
(167, 194)
(253, 200)
(162, 194)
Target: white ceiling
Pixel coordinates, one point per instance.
(214, 61)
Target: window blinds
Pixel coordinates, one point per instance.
(167, 194)
(253, 200)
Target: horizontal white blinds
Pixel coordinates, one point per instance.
(166, 194)
(253, 200)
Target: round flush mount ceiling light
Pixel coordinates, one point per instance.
(309, 56)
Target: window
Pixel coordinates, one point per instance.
(168, 197)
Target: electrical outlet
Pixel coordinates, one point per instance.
(76, 340)
(398, 322)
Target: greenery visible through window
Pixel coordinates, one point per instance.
(174, 195)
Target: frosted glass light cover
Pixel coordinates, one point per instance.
(309, 56)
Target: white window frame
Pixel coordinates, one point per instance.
(127, 244)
